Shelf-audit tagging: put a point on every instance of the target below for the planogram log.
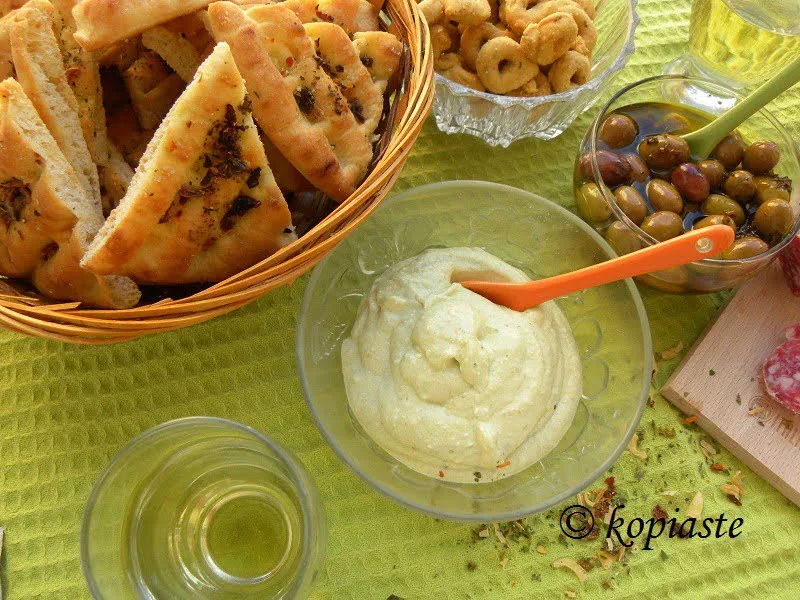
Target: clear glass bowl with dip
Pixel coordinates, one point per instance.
(700, 99)
(501, 120)
(539, 238)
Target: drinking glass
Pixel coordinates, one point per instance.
(202, 508)
(740, 42)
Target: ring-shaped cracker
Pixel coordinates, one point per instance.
(503, 67)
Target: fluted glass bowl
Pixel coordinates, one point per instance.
(712, 98)
(542, 239)
(500, 120)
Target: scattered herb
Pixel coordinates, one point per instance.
(305, 99)
(239, 206)
(712, 372)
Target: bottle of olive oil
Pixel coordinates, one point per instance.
(743, 42)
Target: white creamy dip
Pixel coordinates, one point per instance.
(451, 384)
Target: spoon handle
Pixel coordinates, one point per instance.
(684, 249)
(755, 101)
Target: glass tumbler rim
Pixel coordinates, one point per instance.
(594, 132)
(311, 504)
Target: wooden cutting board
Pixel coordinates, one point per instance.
(719, 381)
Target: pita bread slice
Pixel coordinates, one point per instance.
(341, 61)
(6, 60)
(152, 88)
(115, 177)
(40, 71)
(6, 6)
(182, 43)
(46, 218)
(104, 22)
(203, 204)
(297, 105)
(350, 15)
(83, 76)
(380, 52)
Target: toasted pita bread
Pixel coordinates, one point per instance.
(6, 6)
(350, 15)
(115, 177)
(289, 179)
(181, 43)
(121, 54)
(6, 60)
(83, 76)
(380, 52)
(341, 61)
(295, 102)
(203, 204)
(104, 22)
(125, 132)
(152, 88)
(40, 71)
(47, 218)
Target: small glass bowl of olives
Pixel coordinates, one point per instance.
(637, 183)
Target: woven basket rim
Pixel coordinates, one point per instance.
(70, 322)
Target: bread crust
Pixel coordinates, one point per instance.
(203, 204)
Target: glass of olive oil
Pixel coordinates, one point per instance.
(202, 508)
(740, 42)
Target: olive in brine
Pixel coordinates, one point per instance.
(761, 157)
(619, 131)
(591, 204)
(663, 225)
(715, 220)
(664, 196)
(690, 182)
(614, 169)
(631, 203)
(774, 218)
(639, 170)
(717, 204)
(664, 151)
(675, 123)
(740, 185)
(714, 171)
(622, 239)
(745, 247)
(730, 150)
(768, 187)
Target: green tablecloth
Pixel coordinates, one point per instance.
(65, 410)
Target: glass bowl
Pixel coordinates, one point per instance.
(538, 237)
(202, 507)
(705, 96)
(500, 120)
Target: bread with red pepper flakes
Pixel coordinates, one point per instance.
(203, 204)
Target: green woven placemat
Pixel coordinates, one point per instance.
(65, 410)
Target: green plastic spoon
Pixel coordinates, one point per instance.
(705, 139)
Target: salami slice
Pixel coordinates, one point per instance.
(781, 371)
(790, 261)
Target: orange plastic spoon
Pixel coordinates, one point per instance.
(682, 250)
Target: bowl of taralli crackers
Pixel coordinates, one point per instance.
(166, 161)
(512, 69)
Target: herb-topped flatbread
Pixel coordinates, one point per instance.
(202, 204)
(46, 217)
(297, 105)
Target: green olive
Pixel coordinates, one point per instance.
(619, 131)
(717, 204)
(715, 220)
(631, 203)
(714, 171)
(591, 204)
(774, 218)
(730, 150)
(664, 196)
(740, 186)
(745, 247)
(768, 187)
(622, 239)
(663, 225)
(761, 157)
(664, 151)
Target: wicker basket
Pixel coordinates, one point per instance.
(27, 313)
